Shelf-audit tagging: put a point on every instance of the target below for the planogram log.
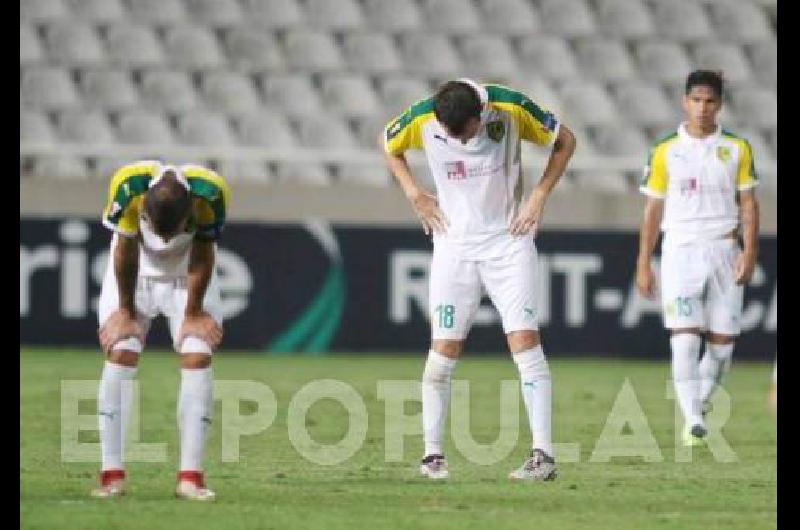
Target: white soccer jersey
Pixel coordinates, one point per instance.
(699, 178)
(479, 184)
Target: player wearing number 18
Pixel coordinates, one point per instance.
(483, 237)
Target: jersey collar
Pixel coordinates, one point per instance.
(708, 140)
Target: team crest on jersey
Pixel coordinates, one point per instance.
(496, 130)
(723, 153)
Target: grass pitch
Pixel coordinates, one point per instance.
(272, 486)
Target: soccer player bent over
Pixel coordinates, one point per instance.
(483, 236)
(699, 182)
(166, 220)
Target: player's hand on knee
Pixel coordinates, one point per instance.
(427, 209)
(745, 265)
(202, 326)
(119, 326)
(527, 220)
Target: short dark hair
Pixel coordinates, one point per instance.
(708, 78)
(167, 203)
(454, 104)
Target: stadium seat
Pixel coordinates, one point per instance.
(311, 50)
(569, 18)
(333, 15)
(549, 56)
(158, 12)
(756, 106)
(108, 89)
(487, 57)
(603, 181)
(510, 17)
(292, 93)
(30, 50)
(645, 104)
(773, 141)
(587, 103)
(302, 173)
(628, 19)
(392, 15)
(245, 171)
(84, 126)
(60, 167)
(540, 92)
(35, 127)
(37, 11)
(605, 59)
(450, 16)
(168, 90)
(764, 57)
(229, 92)
(73, 44)
(620, 140)
(252, 49)
(726, 57)
(106, 166)
(204, 128)
(682, 20)
(97, 11)
(144, 127)
(371, 52)
(368, 128)
(48, 88)
(264, 129)
(399, 92)
(324, 131)
(192, 47)
(430, 53)
(743, 22)
(133, 46)
(272, 13)
(662, 61)
(367, 173)
(215, 13)
(349, 95)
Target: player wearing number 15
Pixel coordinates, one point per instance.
(700, 185)
(483, 237)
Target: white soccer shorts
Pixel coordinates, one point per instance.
(159, 296)
(456, 291)
(698, 286)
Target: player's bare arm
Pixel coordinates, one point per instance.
(748, 215)
(122, 323)
(527, 219)
(197, 322)
(648, 237)
(424, 203)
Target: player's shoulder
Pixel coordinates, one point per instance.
(419, 111)
(506, 98)
(134, 176)
(205, 182)
(734, 138)
(663, 141)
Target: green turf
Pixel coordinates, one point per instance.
(273, 486)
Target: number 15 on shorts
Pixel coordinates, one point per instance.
(445, 315)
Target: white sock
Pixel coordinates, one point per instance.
(195, 406)
(435, 398)
(686, 376)
(713, 366)
(534, 374)
(113, 411)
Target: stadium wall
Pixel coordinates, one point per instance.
(313, 287)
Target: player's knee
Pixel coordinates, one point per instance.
(448, 348)
(195, 360)
(717, 338)
(522, 340)
(532, 364)
(438, 368)
(124, 357)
